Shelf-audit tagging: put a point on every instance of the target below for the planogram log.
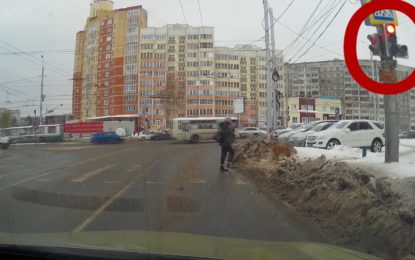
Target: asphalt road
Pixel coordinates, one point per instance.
(155, 186)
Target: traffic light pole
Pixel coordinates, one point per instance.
(387, 75)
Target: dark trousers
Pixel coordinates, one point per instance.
(224, 151)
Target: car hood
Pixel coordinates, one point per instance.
(179, 244)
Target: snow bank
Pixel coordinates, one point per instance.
(338, 153)
(373, 162)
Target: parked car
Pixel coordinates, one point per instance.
(410, 135)
(300, 138)
(281, 131)
(163, 135)
(353, 133)
(302, 128)
(278, 132)
(252, 131)
(106, 138)
(4, 143)
(296, 125)
(121, 132)
(143, 137)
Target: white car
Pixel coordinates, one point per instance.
(4, 143)
(143, 137)
(353, 133)
(252, 131)
(121, 132)
(278, 132)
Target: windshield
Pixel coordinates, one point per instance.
(189, 128)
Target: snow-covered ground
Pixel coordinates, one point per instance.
(373, 162)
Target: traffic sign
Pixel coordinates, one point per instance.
(238, 106)
(380, 17)
(337, 110)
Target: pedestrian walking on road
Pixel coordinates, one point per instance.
(226, 137)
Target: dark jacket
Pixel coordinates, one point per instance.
(226, 135)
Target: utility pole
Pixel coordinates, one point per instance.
(268, 75)
(42, 96)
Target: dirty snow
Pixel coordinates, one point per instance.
(373, 162)
(353, 207)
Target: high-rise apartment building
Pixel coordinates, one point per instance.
(106, 63)
(176, 71)
(122, 67)
(332, 79)
(241, 72)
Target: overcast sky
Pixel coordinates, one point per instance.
(48, 27)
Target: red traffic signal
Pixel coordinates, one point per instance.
(376, 44)
(390, 28)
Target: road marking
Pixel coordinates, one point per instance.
(133, 168)
(112, 182)
(108, 203)
(92, 173)
(99, 157)
(42, 180)
(238, 181)
(197, 180)
(66, 149)
(51, 171)
(154, 182)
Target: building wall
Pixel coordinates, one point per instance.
(78, 75)
(332, 79)
(176, 73)
(101, 70)
(305, 110)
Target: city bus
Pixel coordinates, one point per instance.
(194, 129)
(27, 134)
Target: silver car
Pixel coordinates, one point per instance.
(300, 138)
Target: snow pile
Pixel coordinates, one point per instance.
(353, 207)
(373, 162)
(337, 153)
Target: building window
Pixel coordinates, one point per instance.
(129, 108)
(131, 68)
(109, 21)
(108, 38)
(132, 21)
(107, 56)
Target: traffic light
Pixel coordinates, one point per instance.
(395, 49)
(376, 44)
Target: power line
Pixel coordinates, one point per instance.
(309, 40)
(325, 29)
(200, 13)
(283, 12)
(33, 60)
(184, 15)
(326, 16)
(303, 29)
